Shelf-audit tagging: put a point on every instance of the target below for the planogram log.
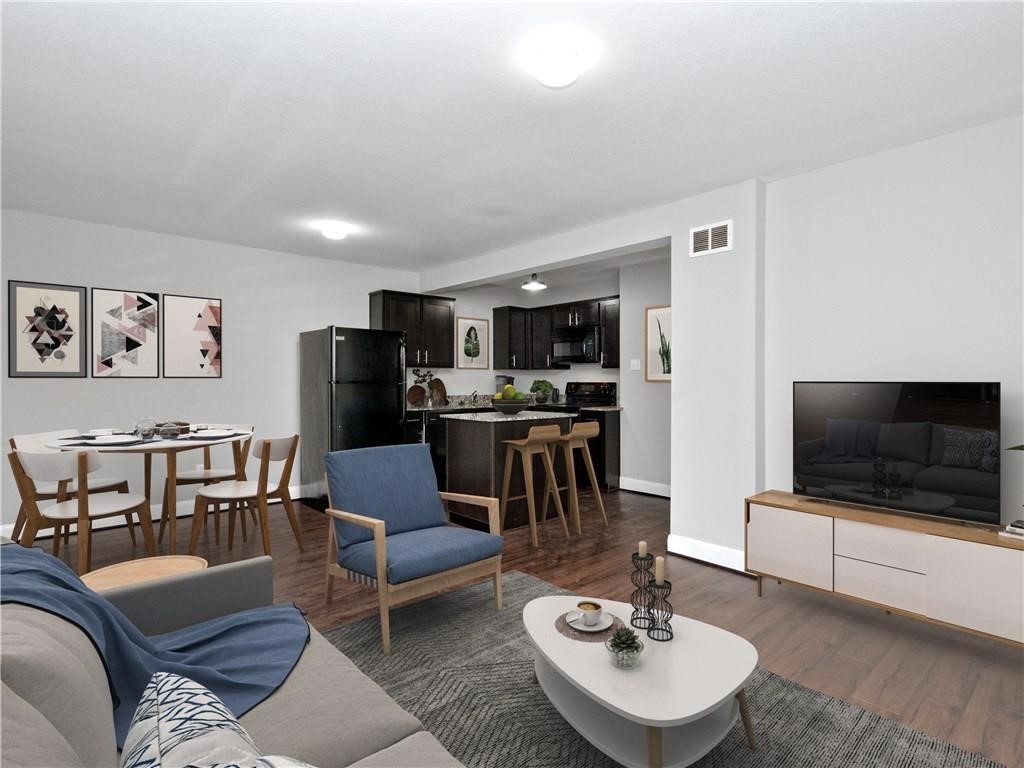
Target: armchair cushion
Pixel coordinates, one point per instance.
(393, 483)
(421, 553)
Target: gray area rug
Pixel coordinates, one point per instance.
(466, 671)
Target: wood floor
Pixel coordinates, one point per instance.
(958, 687)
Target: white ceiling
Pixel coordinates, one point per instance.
(240, 122)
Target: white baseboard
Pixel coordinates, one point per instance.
(726, 557)
(645, 486)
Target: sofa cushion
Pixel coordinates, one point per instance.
(29, 740)
(908, 441)
(958, 482)
(393, 483)
(421, 553)
(421, 750)
(52, 665)
(327, 713)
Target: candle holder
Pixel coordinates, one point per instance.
(661, 612)
(642, 596)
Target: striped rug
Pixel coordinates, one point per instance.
(465, 670)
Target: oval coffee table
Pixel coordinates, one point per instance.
(671, 710)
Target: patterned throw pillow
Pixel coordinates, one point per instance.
(989, 452)
(960, 448)
(181, 724)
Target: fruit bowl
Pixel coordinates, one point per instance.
(510, 407)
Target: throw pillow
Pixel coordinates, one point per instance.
(989, 452)
(961, 448)
(182, 724)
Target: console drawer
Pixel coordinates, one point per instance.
(880, 584)
(879, 544)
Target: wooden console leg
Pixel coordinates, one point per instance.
(653, 747)
(748, 727)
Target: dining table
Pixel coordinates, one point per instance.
(169, 447)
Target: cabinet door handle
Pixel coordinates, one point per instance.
(513, 361)
(426, 357)
(577, 318)
(549, 361)
(417, 357)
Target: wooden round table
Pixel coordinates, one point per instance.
(143, 569)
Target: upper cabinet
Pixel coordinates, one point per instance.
(577, 315)
(511, 336)
(428, 322)
(609, 333)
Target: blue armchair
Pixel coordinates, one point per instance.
(389, 529)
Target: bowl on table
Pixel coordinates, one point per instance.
(510, 407)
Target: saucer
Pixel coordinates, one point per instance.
(575, 620)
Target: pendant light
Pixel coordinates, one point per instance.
(533, 284)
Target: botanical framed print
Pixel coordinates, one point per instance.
(472, 342)
(658, 343)
(125, 334)
(46, 330)
(192, 337)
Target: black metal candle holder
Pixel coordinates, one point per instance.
(661, 612)
(642, 596)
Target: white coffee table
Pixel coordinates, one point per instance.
(671, 710)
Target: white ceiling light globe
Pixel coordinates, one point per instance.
(333, 229)
(556, 56)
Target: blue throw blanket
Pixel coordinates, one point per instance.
(243, 658)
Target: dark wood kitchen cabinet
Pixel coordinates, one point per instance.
(511, 339)
(541, 328)
(610, 333)
(428, 322)
(577, 315)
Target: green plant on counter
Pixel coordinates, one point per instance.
(471, 347)
(541, 387)
(664, 351)
(624, 640)
(421, 377)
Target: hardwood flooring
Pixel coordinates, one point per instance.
(953, 685)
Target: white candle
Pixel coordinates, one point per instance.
(642, 549)
(659, 570)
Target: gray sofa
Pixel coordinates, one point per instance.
(56, 702)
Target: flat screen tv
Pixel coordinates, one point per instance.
(930, 448)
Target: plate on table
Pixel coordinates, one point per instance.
(106, 432)
(575, 620)
(115, 439)
(210, 434)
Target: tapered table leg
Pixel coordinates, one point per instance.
(653, 747)
(748, 727)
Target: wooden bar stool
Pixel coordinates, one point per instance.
(577, 438)
(534, 444)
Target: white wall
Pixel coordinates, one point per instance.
(268, 298)
(903, 265)
(646, 426)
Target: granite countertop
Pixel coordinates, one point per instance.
(496, 416)
(449, 407)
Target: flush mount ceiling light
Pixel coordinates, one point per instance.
(333, 229)
(533, 284)
(556, 56)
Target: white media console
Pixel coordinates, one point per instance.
(947, 573)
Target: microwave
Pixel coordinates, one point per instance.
(577, 347)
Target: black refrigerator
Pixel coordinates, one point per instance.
(352, 394)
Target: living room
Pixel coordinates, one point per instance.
(871, 174)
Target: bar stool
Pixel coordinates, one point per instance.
(577, 438)
(535, 443)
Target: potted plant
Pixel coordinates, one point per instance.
(541, 388)
(625, 648)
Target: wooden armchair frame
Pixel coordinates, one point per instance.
(393, 594)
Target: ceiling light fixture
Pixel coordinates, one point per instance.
(333, 229)
(556, 56)
(533, 284)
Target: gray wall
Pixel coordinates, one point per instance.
(268, 298)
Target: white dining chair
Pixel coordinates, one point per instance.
(38, 443)
(31, 469)
(242, 494)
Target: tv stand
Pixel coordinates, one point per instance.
(953, 573)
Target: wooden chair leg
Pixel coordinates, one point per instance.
(163, 513)
(531, 503)
(497, 586)
(130, 523)
(330, 586)
(198, 520)
(84, 548)
(146, 524)
(573, 491)
(28, 534)
(385, 625)
(216, 523)
(289, 509)
(589, 462)
(56, 540)
(264, 523)
(510, 456)
(67, 535)
(549, 470)
(19, 525)
(242, 507)
(231, 524)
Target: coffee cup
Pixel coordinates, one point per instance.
(590, 612)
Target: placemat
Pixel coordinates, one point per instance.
(563, 626)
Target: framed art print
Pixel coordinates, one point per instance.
(472, 342)
(192, 337)
(46, 330)
(658, 343)
(125, 334)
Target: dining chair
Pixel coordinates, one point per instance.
(38, 443)
(208, 475)
(242, 494)
(32, 469)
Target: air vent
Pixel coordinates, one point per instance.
(712, 238)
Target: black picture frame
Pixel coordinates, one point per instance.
(16, 325)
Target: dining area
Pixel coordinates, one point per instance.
(78, 480)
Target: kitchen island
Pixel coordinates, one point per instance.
(476, 460)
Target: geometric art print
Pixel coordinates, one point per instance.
(192, 337)
(46, 334)
(125, 328)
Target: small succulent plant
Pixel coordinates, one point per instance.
(624, 640)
